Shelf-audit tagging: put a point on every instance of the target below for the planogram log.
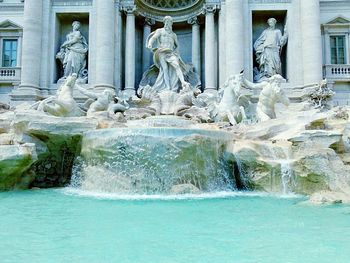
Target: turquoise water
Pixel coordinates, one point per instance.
(61, 226)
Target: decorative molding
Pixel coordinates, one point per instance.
(180, 11)
(210, 8)
(193, 20)
(129, 9)
(170, 4)
(149, 21)
(269, 1)
(72, 2)
(8, 25)
(338, 25)
(338, 20)
(12, 7)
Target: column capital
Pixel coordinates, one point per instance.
(210, 8)
(149, 21)
(193, 20)
(129, 9)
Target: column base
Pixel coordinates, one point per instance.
(211, 91)
(101, 87)
(26, 93)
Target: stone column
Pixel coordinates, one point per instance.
(347, 43)
(31, 51)
(234, 37)
(311, 41)
(118, 58)
(222, 44)
(210, 52)
(327, 47)
(146, 53)
(130, 51)
(196, 44)
(105, 25)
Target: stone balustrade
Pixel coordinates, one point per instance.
(337, 72)
(10, 74)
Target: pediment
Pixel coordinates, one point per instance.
(339, 20)
(9, 25)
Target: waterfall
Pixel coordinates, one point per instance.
(153, 161)
(241, 179)
(287, 177)
(287, 174)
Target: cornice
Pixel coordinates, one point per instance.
(72, 3)
(12, 7)
(269, 1)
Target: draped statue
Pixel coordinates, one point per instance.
(268, 49)
(73, 53)
(169, 71)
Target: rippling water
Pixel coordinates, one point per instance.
(69, 225)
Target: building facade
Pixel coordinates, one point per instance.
(216, 36)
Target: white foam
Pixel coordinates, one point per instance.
(209, 195)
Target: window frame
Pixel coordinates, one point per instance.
(3, 51)
(337, 48)
(10, 30)
(334, 29)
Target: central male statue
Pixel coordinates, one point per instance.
(169, 72)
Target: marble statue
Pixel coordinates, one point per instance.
(232, 103)
(97, 101)
(271, 93)
(104, 101)
(151, 99)
(321, 95)
(73, 53)
(63, 103)
(169, 72)
(185, 100)
(268, 49)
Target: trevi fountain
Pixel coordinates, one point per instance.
(254, 171)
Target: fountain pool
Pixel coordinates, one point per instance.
(69, 225)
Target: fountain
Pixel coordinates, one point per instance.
(172, 138)
(125, 161)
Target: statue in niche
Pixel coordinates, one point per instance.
(268, 51)
(169, 72)
(271, 93)
(73, 53)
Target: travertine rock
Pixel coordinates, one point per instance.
(15, 160)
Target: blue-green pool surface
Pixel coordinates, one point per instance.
(60, 225)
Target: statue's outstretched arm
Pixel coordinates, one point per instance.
(250, 85)
(86, 92)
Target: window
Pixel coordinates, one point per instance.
(9, 53)
(337, 49)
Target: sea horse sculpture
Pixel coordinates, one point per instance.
(232, 102)
(63, 103)
(271, 93)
